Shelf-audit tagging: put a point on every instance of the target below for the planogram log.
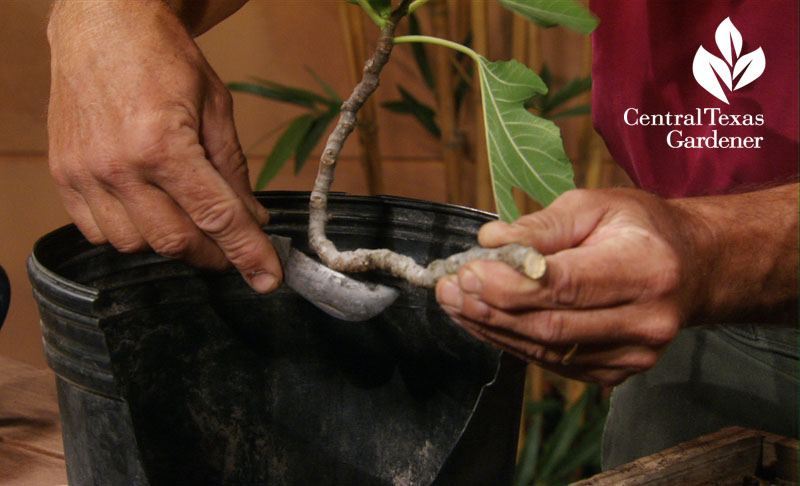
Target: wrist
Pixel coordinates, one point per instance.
(742, 252)
(696, 239)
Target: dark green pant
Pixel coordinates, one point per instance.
(709, 378)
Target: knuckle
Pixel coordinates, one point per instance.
(172, 245)
(59, 173)
(661, 330)
(574, 197)
(131, 245)
(503, 297)
(669, 277)
(216, 219)
(94, 236)
(109, 171)
(643, 361)
(548, 327)
(243, 253)
(566, 290)
(223, 99)
(537, 354)
(153, 137)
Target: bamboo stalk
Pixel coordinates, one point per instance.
(357, 52)
(519, 51)
(450, 145)
(484, 197)
(591, 146)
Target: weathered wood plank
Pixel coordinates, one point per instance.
(722, 458)
(29, 407)
(21, 467)
(31, 449)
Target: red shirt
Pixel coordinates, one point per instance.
(646, 95)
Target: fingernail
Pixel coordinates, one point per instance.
(264, 282)
(450, 296)
(470, 282)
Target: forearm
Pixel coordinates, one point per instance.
(744, 249)
(197, 16)
(200, 15)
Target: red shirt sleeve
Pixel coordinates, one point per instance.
(674, 136)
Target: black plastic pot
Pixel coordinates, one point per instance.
(5, 296)
(170, 375)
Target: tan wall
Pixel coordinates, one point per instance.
(274, 39)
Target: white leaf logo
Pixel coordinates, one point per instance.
(709, 69)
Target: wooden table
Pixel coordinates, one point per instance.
(31, 450)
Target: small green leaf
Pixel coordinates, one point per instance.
(575, 87)
(383, 7)
(279, 92)
(580, 110)
(568, 13)
(424, 114)
(529, 457)
(546, 75)
(270, 93)
(378, 10)
(312, 137)
(334, 96)
(562, 438)
(543, 406)
(584, 452)
(284, 147)
(293, 92)
(525, 151)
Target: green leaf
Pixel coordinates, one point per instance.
(334, 96)
(279, 92)
(529, 457)
(312, 136)
(575, 87)
(562, 438)
(284, 147)
(420, 55)
(378, 10)
(525, 151)
(545, 406)
(579, 110)
(585, 452)
(424, 114)
(547, 13)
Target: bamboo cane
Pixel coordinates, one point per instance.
(484, 197)
(450, 145)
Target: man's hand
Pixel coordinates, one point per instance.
(142, 142)
(625, 271)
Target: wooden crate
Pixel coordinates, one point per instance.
(732, 456)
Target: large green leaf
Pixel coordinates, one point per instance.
(568, 13)
(283, 150)
(525, 151)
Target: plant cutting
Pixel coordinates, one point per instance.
(525, 151)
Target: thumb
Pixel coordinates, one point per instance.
(568, 221)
